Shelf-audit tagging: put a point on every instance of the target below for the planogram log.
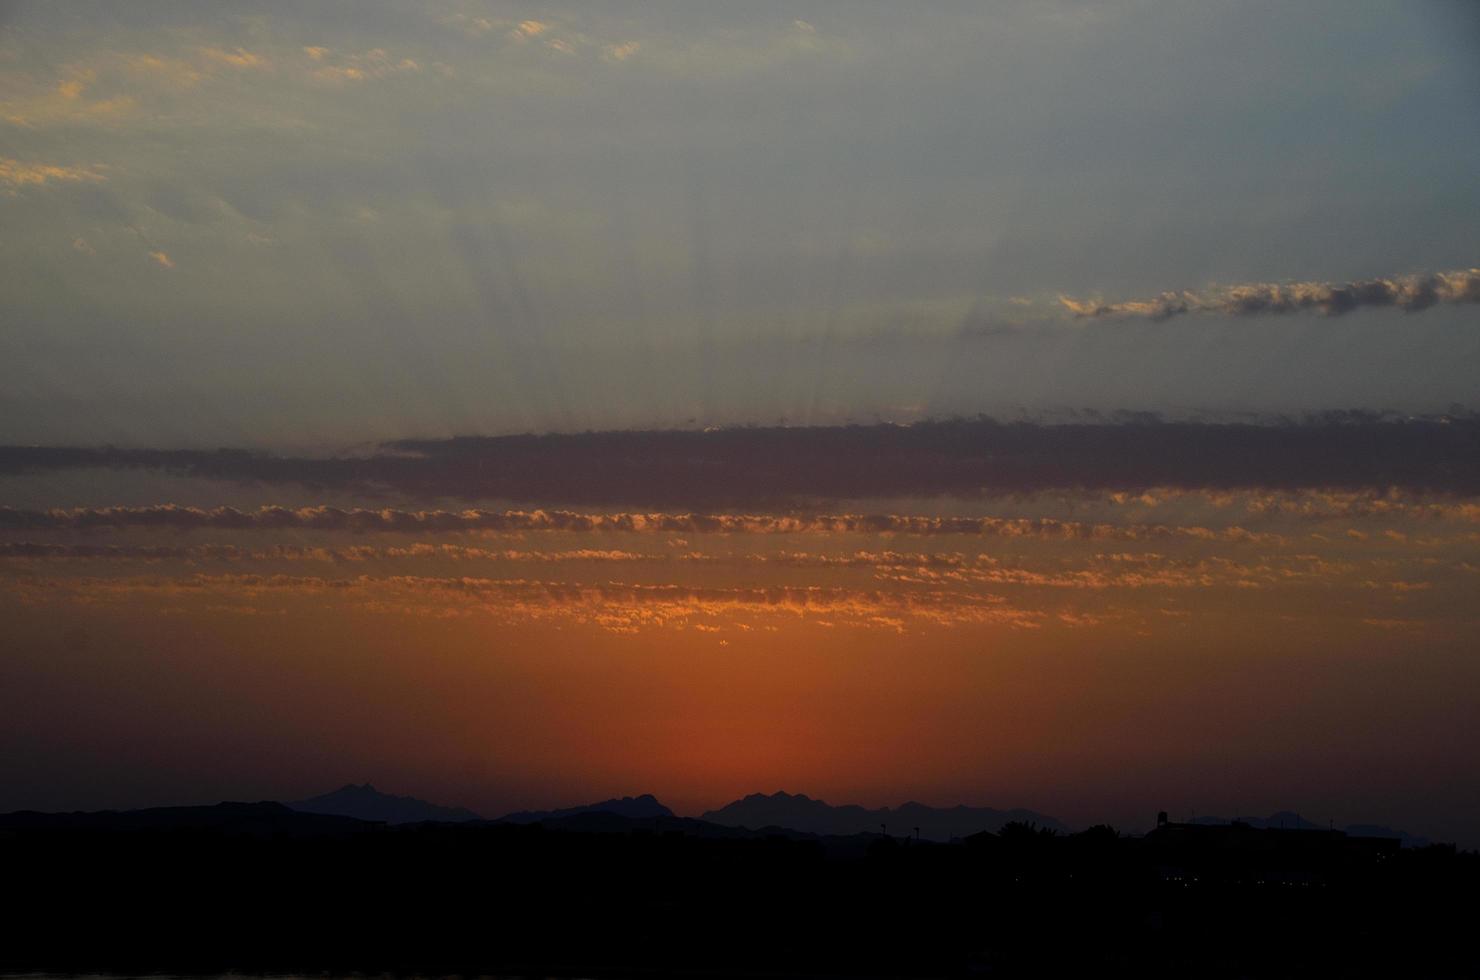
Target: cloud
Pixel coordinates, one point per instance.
(30, 105)
(42, 550)
(441, 521)
(375, 63)
(236, 58)
(620, 52)
(797, 468)
(16, 173)
(527, 29)
(614, 606)
(948, 597)
(176, 71)
(1412, 294)
(877, 588)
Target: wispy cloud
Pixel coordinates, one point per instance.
(30, 105)
(441, 521)
(1412, 294)
(1309, 504)
(45, 550)
(527, 29)
(18, 173)
(614, 606)
(375, 63)
(236, 57)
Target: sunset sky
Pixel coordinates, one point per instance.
(741, 284)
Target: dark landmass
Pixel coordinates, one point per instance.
(365, 802)
(800, 812)
(260, 888)
(641, 807)
(1401, 836)
(799, 467)
(232, 819)
(1287, 820)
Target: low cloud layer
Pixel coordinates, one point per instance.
(172, 516)
(1411, 294)
(44, 550)
(798, 468)
(617, 607)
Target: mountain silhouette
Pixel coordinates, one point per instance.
(632, 807)
(365, 802)
(802, 813)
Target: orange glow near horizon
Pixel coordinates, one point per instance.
(1090, 676)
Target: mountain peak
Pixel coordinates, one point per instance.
(641, 807)
(781, 794)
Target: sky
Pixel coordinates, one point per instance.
(375, 220)
(519, 404)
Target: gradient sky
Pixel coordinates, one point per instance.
(369, 220)
(339, 236)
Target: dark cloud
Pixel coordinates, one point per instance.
(42, 550)
(442, 522)
(801, 468)
(1412, 294)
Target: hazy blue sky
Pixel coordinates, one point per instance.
(253, 224)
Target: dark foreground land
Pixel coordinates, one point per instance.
(259, 888)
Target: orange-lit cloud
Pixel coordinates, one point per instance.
(1306, 504)
(355, 553)
(30, 104)
(375, 63)
(613, 606)
(178, 72)
(527, 29)
(236, 58)
(17, 173)
(402, 521)
(1095, 571)
(621, 52)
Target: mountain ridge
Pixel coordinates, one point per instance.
(803, 813)
(365, 802)
(632, 807)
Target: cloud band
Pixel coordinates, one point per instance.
(1411, 294)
